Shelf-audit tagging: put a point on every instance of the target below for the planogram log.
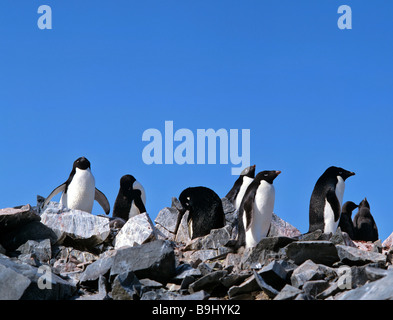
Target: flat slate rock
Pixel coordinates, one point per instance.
(154, 260)
(323, 252)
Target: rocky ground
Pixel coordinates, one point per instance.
(68, 254)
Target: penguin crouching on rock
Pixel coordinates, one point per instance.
(236, 194)
(326, 200)
(79, 191)
(364, 224)
(256, 211)
(130, 200)
(346, 224)
(205, 210)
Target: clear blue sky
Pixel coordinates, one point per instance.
(312, 95)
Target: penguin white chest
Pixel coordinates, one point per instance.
(262, 214)
(242, 191)
(134, 209)
(330, 223)
(80, 192)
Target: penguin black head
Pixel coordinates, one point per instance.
(126, 182)
(249, 172)
(81, 163)
(339, 172)
(267, 176)
(348, 207)
(364, 203)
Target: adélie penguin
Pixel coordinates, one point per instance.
(79, 191)
(364, 224)
(346, 223)
(256, 210)
(205, 210)
(131, 199)
(327, 198)
(236, 194)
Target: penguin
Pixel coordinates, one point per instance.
(131, 199)
(346, 223)
(236, 194)
(364, 224)
(205, 210)
(256, 210)
(326, 200)
(79, 191)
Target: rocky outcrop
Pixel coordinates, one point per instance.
(68, 254)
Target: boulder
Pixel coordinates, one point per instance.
(381, 289)
(36, 283)
(11, 218)
(154, 260)
(281, 228)
(75, 228)
(137, 230)
(308, 271)
(40, 249)
(323, 252)
(126, 286)
(353, 256)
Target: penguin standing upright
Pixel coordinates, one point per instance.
(236, 194)
(79, 191)
(130, 200)
(205, 210)
(346, 224)
(326, 200)
(256, 210)
(364, 224)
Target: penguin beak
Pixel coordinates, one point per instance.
(352, 174)
(278, 172)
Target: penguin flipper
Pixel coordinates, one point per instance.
(102, 200)
(334, 203)
(138, 201)
(57, 190)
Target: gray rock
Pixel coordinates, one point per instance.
(185, 270)
(154, 260)
(162, 294)
(381, 289)
(137, 230)
(11, 218)
(279, 227)
(323, 252)
(13, 238)
(214, 240)
(182, 234)
(203, 255)
(98, 268)
(41, 249)
(274, 275)
(76, 228)
(12, 284)
(315, 287)
(353, 256)
(266, 288)
(169, 218)
(249, 285)
(44, 285)
(164, 234)
(176, 204)
(229, 211)
(208, 282)
(388, 242)
(308, 271)
(288, 293)
(126, 286)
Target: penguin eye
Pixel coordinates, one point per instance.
(340, 173)
(266, 174)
